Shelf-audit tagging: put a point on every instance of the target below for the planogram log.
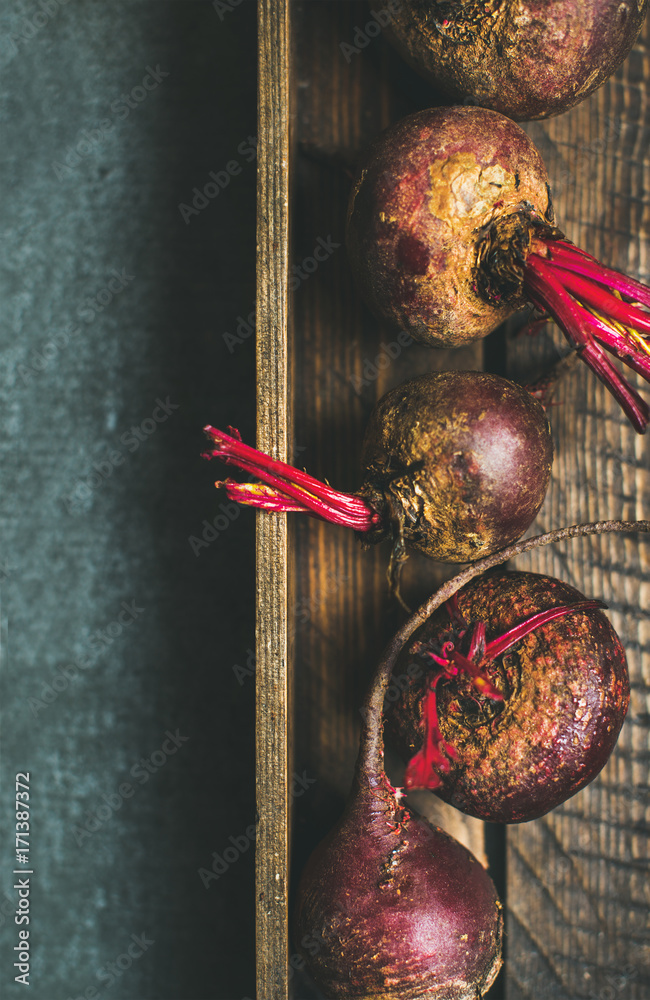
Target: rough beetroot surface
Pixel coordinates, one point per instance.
(456, 465)
(428, 188)
(458, 461)
(525, 58)
(450, 231)
(565, 694)
(399, 909)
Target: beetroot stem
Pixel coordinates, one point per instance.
(504, 642)
(616, 343)
(569, 257)
(232, 450)
(282, 489)
(369, 768)
(266, 498)
(423, 769)
(547, 292)
(602, 300)
(287, 484)
(585, 300)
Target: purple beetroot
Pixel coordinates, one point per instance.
(456, 465)
(451, 230)
(519, 695)
(400, 909)
(525, 58)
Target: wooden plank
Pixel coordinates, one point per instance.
(273, 677)
(578, 895)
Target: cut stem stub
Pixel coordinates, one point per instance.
(371, 751)
(285, 488)
(423, 770)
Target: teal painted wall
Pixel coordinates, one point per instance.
(117, 628)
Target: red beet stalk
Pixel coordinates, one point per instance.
(454, 464)
(451, 230)
(285, 488)
(423, 769)
(599, 310)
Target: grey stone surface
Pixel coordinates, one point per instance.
(116, 630)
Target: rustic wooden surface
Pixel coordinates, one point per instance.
(273, 674)
(578, 887)
(575, 883)
(345, 361)
(344, 358)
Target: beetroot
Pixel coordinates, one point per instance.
(400, 909)
(524, 58)
(456, 465)
(521, 694)
(451, 230)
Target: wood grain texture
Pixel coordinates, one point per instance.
(577, 881)
(345, 360)
(578, 888)
(273, 675)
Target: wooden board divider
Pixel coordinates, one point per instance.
(273, 682)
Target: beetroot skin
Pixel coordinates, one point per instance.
(451, 230)
(391, 908)
(564, 693)
(429, 187)
(525, 58)
(399, 909)
(456, 465)
(459, 461)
